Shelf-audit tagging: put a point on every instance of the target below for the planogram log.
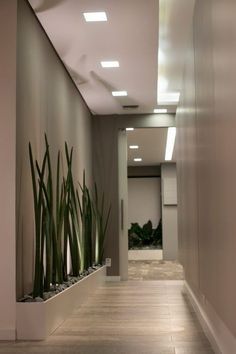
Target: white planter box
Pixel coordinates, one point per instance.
(36, 321)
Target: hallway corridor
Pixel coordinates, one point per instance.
(135, 317)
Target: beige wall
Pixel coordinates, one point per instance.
(206, 126)
(8, 15)
(47, 101)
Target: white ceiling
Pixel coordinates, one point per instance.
(134, 33)
(130, 36)
(151, 142)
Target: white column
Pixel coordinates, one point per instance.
(169, 212)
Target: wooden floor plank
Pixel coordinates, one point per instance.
(133, 317)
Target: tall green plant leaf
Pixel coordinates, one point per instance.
(39, 226)
(101, 224)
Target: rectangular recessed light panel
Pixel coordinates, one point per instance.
(168, 98)
(160, 110)
(95, 16)
(138, 159)
(119, 93)
(133, 147)
(129, 129)
(110, 64)
(170, 143)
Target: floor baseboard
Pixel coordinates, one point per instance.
(220, 337)
(113, 278)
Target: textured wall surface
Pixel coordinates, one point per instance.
(8, 20)
(206, 125)
(47, 101)
(105, 157)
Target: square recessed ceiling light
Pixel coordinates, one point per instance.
(138, 159)
(119, 93)
(133, 146)
(168, 98)
(160, 110)
(110, 64)
(129, 129)
(95, 16)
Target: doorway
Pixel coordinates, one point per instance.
(145, 156)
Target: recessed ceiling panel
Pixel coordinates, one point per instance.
(151, 143)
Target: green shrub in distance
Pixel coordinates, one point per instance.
(145, 236)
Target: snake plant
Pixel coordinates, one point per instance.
(64, 219)
(48, 231)
(101, 223)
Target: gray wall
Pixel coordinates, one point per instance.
(144, 171)
(47, 101)
(206, 126)
(169, 214)
(105, 157)
(144, 200)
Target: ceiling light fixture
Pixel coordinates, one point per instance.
(138, 159)
(168, 98)
(129, 129)
(170, 143)
(95, 16)
(160, 110)
(161, 57)
(162, 84)
(119, 93)
(133, 147)
(110, 64)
